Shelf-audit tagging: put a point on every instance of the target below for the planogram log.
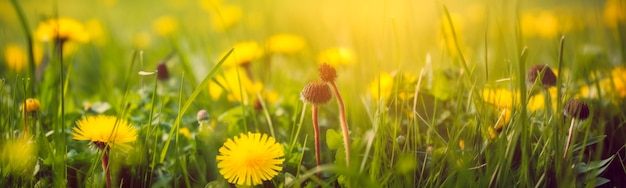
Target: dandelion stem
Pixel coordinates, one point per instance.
(105, 166)
(569, 137)
(316, 130)
(344, 123)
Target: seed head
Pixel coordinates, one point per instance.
(316, 92)
(547, 80)
(327, 72)
(162, 72)
(576, 109)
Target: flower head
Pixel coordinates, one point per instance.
(250, 159)
(104, 130)
(337, 56)
(244, 53)
(32, 105)
(548, 78)
(61, 29)
(162, 73)
(576, 109)
(285, 43)
(327, 72)
(165, 25)
(316, 93)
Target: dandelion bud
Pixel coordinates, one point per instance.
(32, 105)
(327, 72)
(576, 109)
(316, 93)
(548, 78)
(202, 116)
(162, 72)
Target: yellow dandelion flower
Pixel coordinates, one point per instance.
(502, 98)
(104, 130)
(492, 132)
(503, 118)
(244, 53)
(224, 17)
(462, 144)
(142, 40)
(185, 132)
(538, 101)
(337, 56)
(96, 31)
(250, 159)
(285, 43)
(446, 32)
(234, 80)
(618, 75)
(543, 24)
(18, 157)
(614, 13)
(66, 29)
(382, 86)
(165, 25)
(32, 105)
(15, 57)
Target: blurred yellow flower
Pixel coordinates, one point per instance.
(503, 118)
(15, 57)
(66, 29)
(285, 43)
(185, 132)
(337, 56)
(612, 86)
(104, 130)
(492, 132)
(230, 80)
(462, 144)
(501, 98)
(244, 53)
(614, 13)
(18, 157)
(381, 87)
(96, 31)
(250, 159)
(223, 17)
(538, 101)
(544, 24)
(165, 25)
(142, 40)
(448, 40)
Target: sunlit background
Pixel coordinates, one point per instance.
(279, 45)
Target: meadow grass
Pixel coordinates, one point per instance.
(434, 97)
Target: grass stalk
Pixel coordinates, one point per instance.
(344, 122)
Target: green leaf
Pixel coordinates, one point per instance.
(591, 141)
(594, 165)
(601, 181)
(333, 139)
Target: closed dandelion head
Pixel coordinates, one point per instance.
(202, 116)
(104, 130)
(548, 78)
(31, 105)
(327, 72)
(576, 109)
(249, 159)
(162, 73)
(316, 93)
